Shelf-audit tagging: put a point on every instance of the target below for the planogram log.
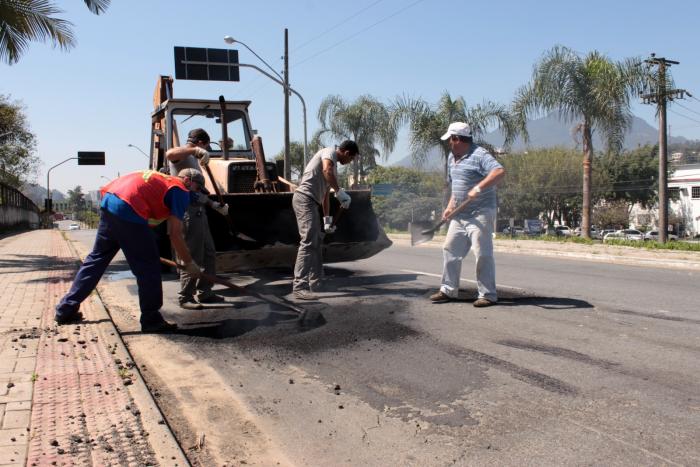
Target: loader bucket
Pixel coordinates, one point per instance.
(269, 220)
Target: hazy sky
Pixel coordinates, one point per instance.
(98, 96)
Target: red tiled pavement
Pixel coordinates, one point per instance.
(63, 400)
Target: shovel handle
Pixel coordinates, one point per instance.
(340, 212)
(457, 210)
(207, 169)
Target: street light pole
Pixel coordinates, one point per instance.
(49, 204)
(284, 82)
(138, 149)
(287, 158)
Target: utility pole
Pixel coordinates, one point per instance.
(287, 157)
(659, 94)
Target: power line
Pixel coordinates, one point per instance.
(340, 23)
(684, 116)
(358, 32)
(686, 108)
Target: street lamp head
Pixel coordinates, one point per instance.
(229, 39)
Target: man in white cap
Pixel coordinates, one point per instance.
(472, 173)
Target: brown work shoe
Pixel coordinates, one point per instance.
(191, 305)
(440, 297)
(70, 319)
(483, 302)
(304, 295)
(162, 327)
(213, 298)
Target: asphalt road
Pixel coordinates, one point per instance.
(580, 363)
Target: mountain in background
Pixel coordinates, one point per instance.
(550, 132)
(37, 193)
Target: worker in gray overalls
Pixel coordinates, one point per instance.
(196, 291)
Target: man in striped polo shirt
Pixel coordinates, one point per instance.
(472, 173)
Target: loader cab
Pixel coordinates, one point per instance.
(174, 118)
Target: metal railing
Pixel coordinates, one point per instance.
(16, 210)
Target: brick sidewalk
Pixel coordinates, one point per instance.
(63, 395)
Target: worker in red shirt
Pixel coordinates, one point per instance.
(130, 206)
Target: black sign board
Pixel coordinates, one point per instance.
(91, 158)
(206, 64)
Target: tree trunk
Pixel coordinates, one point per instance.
(587, 161)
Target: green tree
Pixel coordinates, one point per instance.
(18, 163)
(416, 195)
(25, 21)
(545, 183)
(591, 91)
(613, 214)
(76, 199)
(296, 154)
(427, 123)
(634, 175)
(366, 121)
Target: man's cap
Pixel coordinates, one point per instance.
(193, 174)
(459, 129)
(198, 134)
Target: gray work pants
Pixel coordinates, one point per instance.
(462, 235)
(308, 267)
(201, 245)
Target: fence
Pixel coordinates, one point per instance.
(16, 210)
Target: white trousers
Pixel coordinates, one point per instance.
(462, 235)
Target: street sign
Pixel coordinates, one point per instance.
(382, 189)
(206, 64)
(91, 158)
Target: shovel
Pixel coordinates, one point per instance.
(423, 231)
(231, 230)
(239, 289)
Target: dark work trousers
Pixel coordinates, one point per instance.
(138, 243)
(201, 245)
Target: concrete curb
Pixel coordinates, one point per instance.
(669, 259)
(161, 437)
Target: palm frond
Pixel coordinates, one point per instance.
(31, 20)
(97, 6)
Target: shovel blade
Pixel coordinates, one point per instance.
(421, 232)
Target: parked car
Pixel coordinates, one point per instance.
(654, 235)
(594, 232)
(624, 234)
(563, 231)
(517, 230)
(73, 226)
(604, 232)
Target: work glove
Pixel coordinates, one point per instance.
(220, 208)
(193, 269)
(328, 226)
(343, 198)
(202, 155)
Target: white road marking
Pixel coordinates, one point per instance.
(422, 273)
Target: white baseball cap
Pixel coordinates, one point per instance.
(459, 129)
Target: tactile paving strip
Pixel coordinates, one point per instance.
(82, 413)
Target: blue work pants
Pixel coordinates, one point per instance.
(138, 243)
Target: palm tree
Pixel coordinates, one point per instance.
(427, 123)
(592, 91)
(366, 121)
(23, 21)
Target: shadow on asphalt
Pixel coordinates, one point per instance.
(547, 303)
(236, 327)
